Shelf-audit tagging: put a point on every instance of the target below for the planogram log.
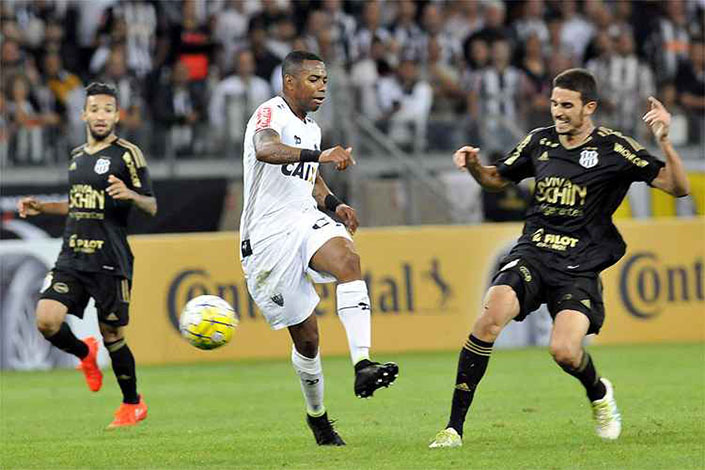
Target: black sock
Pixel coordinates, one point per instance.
(587, 375)
(472, 364)
(65, 340)
(124, 369)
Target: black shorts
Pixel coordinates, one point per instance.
(74, 288)
(536, 284)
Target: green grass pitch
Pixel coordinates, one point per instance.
(528, 414)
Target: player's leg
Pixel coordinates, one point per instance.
(133, 409)
(63, 293)
(112, 298)
(516, 291)
(569, 329)
(499, 307)
(306, 360)
(338, 257)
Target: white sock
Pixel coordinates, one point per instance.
(354, 312)
(311, 375)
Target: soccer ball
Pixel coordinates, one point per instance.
(207, 322)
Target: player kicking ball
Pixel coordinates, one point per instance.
(107, 177)
(287, 243)
(582, 174)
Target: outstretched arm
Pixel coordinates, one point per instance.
(487, 176)
(672, 178)
(30, 206)
(326, 199)
(270, 149)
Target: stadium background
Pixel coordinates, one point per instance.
(409, 82)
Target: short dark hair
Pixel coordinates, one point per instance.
(295, 59)
(580, 80)
(97, 88)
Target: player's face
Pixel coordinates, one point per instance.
(569, 113)
(310, 85)
(100, 115)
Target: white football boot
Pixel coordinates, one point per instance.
(447, 438)
(608, 421)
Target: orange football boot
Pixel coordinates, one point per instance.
(89, 365)
(129, 414)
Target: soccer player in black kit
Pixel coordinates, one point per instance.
(582, 174)
(107, 177)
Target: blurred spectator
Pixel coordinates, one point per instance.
(462, 19)
(192, 44)
(68, 92)
(140, 20)
(576, 31)
(628, 84)
(449, 49)
(235, 98)
(25, 121)
(342, 27)
(282, 33)
(365, 77)
(668, 44)
(55, 41)
(494, 27)
(690, 81)
(531, 22)
(265, 60)
(367, 30)
(534, 66)
(230, 30)
(407, 35)
(405, 101)
(448, 98)
(12, 58)
(130, 94)
(178, 108)
(496, 97)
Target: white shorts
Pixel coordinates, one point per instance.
(278, 275)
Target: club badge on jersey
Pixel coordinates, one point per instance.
(588, 158)
(102, 165)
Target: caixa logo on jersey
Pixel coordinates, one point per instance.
(647, 285)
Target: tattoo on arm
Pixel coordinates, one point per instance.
(269, 149)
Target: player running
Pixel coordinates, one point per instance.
(287, 243)
(107, 177)
(582, 174)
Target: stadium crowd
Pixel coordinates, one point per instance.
(431, 74)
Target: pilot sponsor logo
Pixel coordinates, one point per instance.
(553, 241)
(84, 245)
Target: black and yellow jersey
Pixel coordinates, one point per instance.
(569, 220)
(95, 237)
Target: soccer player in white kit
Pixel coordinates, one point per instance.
(287, 243)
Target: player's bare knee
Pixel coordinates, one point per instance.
(308, 347)
(349, 269)
(565, 354)
(47, 326)
(111, 333)
(48, 322)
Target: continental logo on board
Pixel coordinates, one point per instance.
(648, 285)
(561, 191)
(623, 151)
(412, 289)
(553, 241)
(84, 196)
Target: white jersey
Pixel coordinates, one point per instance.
(275, 195)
